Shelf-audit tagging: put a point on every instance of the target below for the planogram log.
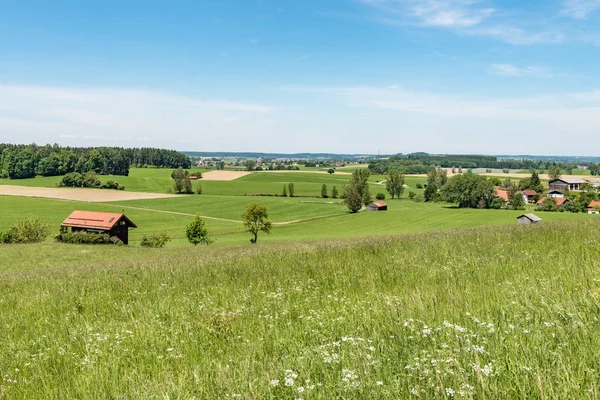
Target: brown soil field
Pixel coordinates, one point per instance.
(223, 175)
(78, 194)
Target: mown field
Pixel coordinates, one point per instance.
(159, 181)
(497, 313)
(294, 219)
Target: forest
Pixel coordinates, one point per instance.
(419, 163)
(28, 161)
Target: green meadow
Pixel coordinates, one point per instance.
(495, 312)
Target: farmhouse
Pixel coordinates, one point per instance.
(377, 206)
(113, 224)
(594, 207)
(563, 184)
(526, 219)
(504, 194)
(556, 194)
(559, 201)
(529, 194)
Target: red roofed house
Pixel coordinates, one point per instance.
(594, 207)
(377, 206)
(504, 194)
(113, 224)
(559, 201)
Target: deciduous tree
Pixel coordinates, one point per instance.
(256, 220)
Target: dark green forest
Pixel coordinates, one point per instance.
(28, 161)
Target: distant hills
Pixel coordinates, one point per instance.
(323, 156)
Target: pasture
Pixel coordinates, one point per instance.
(496, 312)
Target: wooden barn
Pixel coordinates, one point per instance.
(377, 206)
(526, 219)
(114, 224)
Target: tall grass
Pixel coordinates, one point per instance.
(503, 313)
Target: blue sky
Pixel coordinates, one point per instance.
(442, 76)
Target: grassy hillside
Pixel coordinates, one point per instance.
(159, 181)
(295, 219)
(497, 313)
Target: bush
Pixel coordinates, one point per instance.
(113, 185)
(380, 196)
(85, 238)
(87, 180)
(30, 230)
(419, 186)
(420, 198)
(412, 195)
(156, 240)
(199, 189)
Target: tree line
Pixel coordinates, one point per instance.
(28, 161)
(421, 163)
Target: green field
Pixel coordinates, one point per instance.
(159, 181)
(497, 313)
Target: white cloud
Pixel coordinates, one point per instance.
(465, 17)
(512, 70)
(45, 114)
(580, 9)
(522, 122)
(442, 13)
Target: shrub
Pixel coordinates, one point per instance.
(156, 240)
(420, 198)
(113, 185)
(419, 186)
(497, 203)
(85, 238)
(380, 196)
(87, 180)
(199, 189)
(412, 195)
(30, 230)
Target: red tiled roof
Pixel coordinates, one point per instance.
(559, 200)
(380, 204)
(529, 192)
(95, 220)
(594, 204)
(503, 194)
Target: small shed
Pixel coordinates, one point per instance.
(114, 224)
(526, 219)
(377, 206)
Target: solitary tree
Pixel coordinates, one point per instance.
(334, 192)
(331, 171)
(197, 233)
(291, 189)
(554, 173)
(256, 220)
(324, 191)
(469, 191)
(431, 192)
(249, 165)
(395, 183)
(284, 192)
(357, 192)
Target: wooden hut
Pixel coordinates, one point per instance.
(377, 206)
(113, 224)
(526, 219)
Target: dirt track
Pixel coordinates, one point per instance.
(78, 194)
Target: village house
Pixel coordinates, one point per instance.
(562, 184)
(594, 207)
(504, 194)
(556, 194)
(377, 206)
(113, 224)
(527, 219)
(559, 201)
(530, 195)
